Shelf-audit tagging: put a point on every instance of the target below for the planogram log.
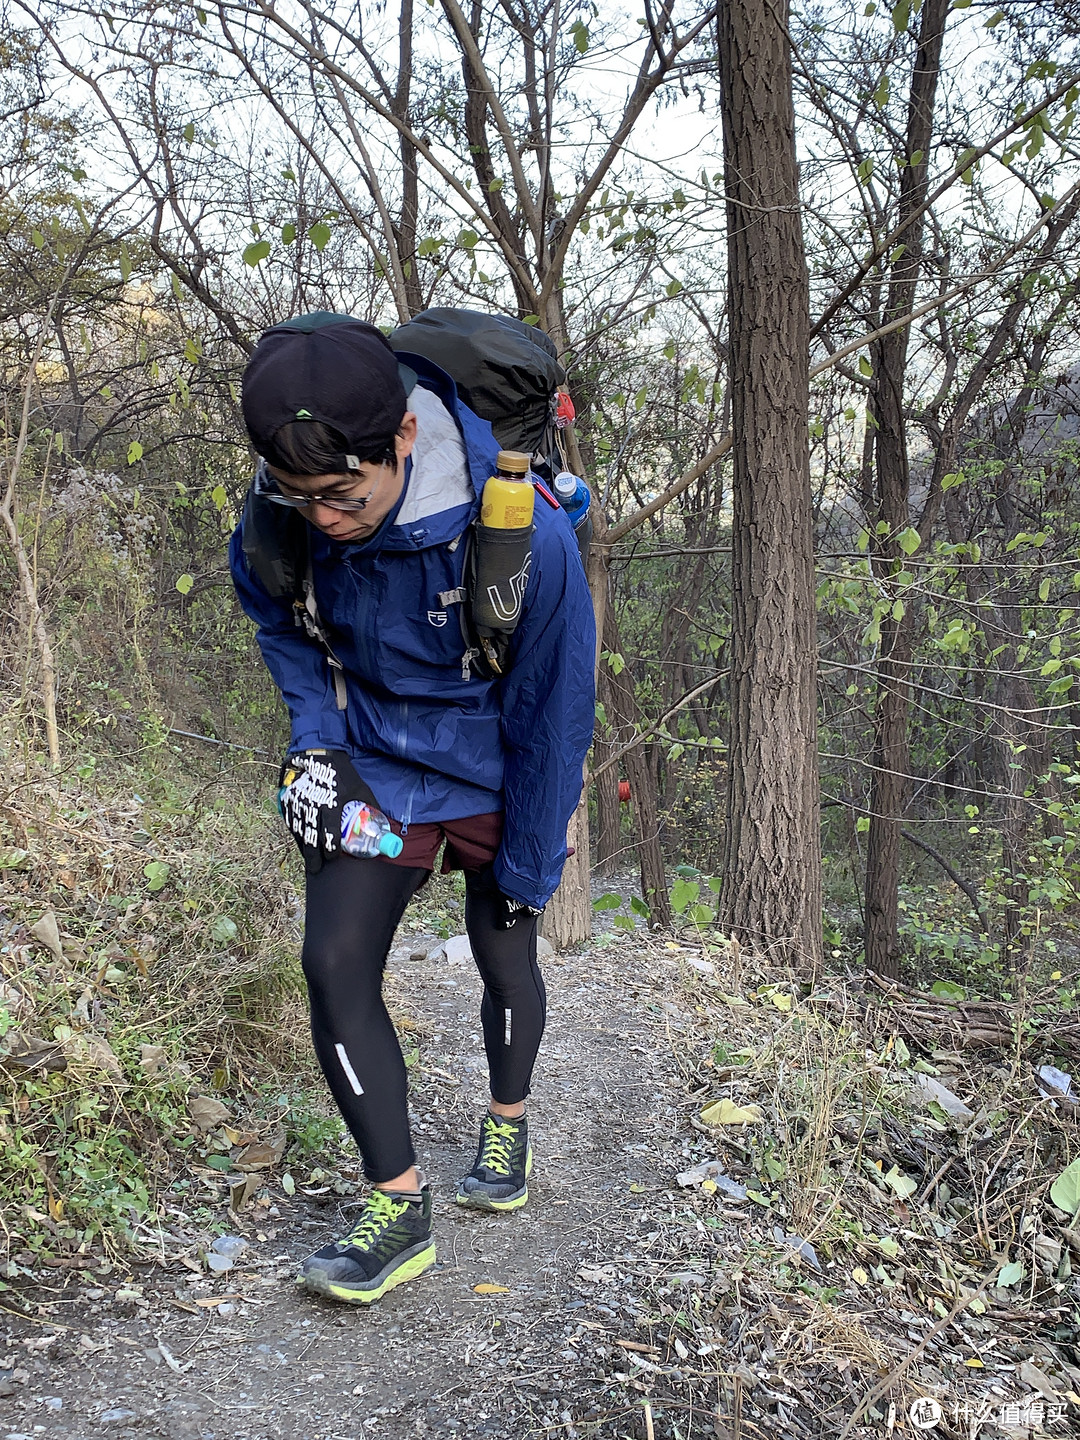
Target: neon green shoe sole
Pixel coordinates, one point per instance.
(480, 1199)
(406, 1266)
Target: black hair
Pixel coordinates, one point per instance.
(310, 447)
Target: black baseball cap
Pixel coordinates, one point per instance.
(328, 367)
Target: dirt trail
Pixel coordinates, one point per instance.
(434, 1357)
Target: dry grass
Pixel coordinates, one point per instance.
(910, 1215)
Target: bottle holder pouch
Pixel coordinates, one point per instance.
(502, 559)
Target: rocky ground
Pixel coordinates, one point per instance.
(759, 1209)
(502, 1338)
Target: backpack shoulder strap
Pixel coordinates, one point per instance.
(277, 548)
(306, 609)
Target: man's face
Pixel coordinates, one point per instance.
(379, 485)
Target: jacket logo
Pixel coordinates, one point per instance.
(436, 617)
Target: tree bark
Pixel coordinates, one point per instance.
(410, 179)
(642, 790)
(771, 898)
(891, 759)
(608, 813)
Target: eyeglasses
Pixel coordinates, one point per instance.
(266, 486)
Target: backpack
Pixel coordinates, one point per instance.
(506, 372)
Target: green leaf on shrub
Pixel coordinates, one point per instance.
(638, 906)
(185, 583)
(607, 902)
(256, 252)
(223, 930)
(948, 990)
(684, 893)
(319, 235)
(624, 922)
(157, 875)
(134, 452)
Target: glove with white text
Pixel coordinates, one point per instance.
(312, 788)
(514, 910)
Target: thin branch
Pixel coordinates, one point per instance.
(957, 879)
(648, 734)
(883, 247)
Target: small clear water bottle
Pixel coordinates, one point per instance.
(366, 831)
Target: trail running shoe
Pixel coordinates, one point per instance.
(390, 1243)
(503, 1162)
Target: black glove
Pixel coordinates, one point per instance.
(513, 910)
(312, 788)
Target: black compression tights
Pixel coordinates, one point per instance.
(353, 908)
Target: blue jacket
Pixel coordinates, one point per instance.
(431, 744)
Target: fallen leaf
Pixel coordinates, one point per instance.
(781, 1001)
(974, 1363)
(91, 1050)
(594, 1276)
(859, 1275)
(262, 1154)
(486, 1289)
(726, 1112)
(900, 1184)
(1065, 1191)
(206, 1112)
(288, 1184)
(241, 1191)
(1010, 1274)
(31, 1052)
(47, 933)
(1034, 1378)
(152, 1058)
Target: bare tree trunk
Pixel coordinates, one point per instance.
(642, 779)
(410, 180)
(27, 587)
(608, 826)
(891, 757)
(771, 897)
(568, 919)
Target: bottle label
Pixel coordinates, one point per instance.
(359, 828)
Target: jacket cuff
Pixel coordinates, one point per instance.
(518, 887)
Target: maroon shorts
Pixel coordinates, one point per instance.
(471, 843)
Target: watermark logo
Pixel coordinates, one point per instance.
(925, 1413)
(1032, 1414)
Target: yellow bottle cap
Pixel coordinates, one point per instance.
(512, 462)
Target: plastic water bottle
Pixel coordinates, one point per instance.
(574, 497)
(366, 831)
